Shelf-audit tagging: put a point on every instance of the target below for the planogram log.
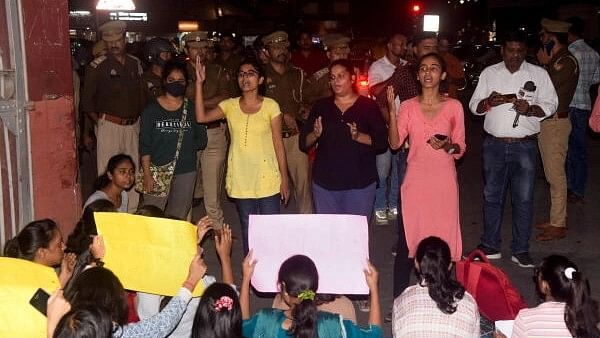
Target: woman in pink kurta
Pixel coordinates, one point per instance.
(430, 188)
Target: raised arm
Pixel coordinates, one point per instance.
(247, 271)
(223, 246)
(372, 277)
(203, 116)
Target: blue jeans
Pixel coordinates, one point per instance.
(577, 154)
(352, 201)
(255, 206)
(387, 164)
(505, 164)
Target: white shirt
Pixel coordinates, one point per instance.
(148, 305)
(101, 195)
(499, 120)
(381, 70)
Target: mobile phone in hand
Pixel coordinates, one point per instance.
(40, 301)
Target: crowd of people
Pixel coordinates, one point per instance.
(271, 126)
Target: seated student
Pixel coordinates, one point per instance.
(114, 183)
(85, 322)
(81, 239)
(41, 242)
(99, 287)
(219, 314)
(568, 309)
(298, 281)
(437, 306)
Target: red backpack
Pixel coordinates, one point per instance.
(496, 297)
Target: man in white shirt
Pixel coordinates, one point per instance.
(580, 110)
(387, 207)
(513, 110)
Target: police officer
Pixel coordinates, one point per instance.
(337, 47)
(211, 166)
(553, 139)
(113, 99)
(286, 84)
(158, 51)
(230, 60)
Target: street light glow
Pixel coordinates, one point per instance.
(115, 5)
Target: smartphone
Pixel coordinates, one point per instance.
(40, 301)
(440, 137)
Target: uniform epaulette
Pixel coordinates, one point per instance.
(319, 74)
(139, 63)
(97, 61)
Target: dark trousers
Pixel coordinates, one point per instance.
(577, 155)
(514, 165)
(403, 265)
(255, 206)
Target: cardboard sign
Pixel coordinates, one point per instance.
(148, 254)
(338, 244)
(19, 280)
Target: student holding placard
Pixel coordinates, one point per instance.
(299, 282)
(41, 242)
(101, 287)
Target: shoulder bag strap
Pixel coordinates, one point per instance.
(181, 129)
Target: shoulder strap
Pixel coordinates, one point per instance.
(181, 128)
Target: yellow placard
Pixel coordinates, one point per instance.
(148, 254)
(19, 280)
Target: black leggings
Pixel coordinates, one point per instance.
(402, 264)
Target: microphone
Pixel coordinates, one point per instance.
(525, 93)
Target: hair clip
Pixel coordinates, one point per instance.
(224, 302)
(569, 272)
(307, 295)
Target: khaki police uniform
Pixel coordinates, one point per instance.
(554, 134)
(287, 90)
(113, 90)
(231, 66)
(318, 84)
(211, 160)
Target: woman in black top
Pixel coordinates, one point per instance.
(347, 130)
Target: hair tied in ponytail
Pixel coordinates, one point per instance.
(307, 295)
(569, 272)
(224, 302)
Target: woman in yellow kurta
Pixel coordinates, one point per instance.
(256, 166)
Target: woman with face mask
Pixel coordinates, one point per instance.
(161, 124)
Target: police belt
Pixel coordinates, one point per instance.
(118, 120)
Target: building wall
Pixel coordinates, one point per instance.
(52, 120)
